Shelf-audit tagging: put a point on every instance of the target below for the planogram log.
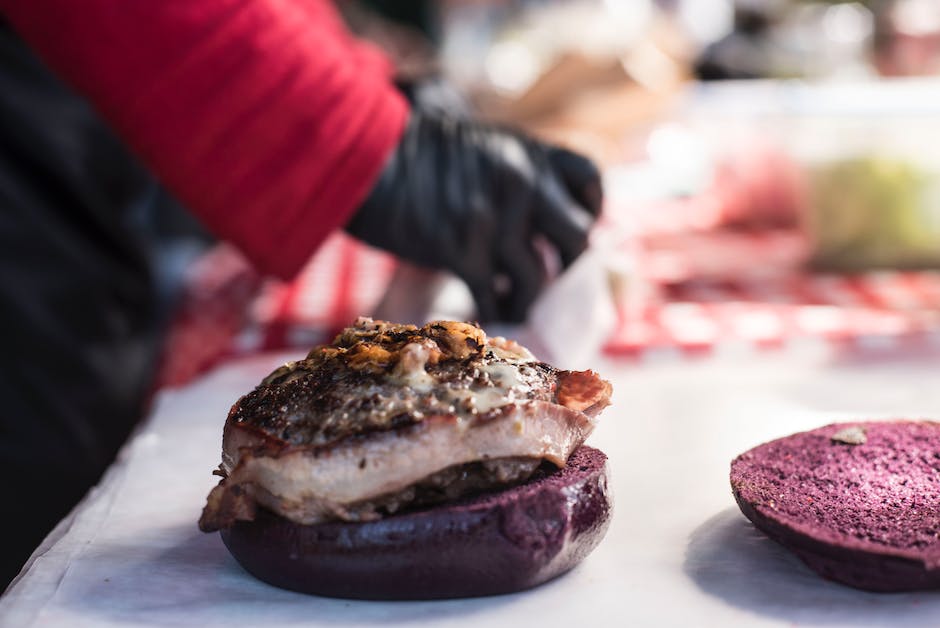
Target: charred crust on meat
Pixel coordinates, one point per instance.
(359, 384)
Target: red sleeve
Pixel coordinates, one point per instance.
(258, 115)
(368, 57)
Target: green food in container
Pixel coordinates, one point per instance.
(873, 212)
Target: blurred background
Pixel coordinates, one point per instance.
(770, 166)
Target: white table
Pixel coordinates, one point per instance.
(678, 552)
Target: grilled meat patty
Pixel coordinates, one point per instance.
(396, 416)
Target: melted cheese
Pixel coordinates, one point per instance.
(509, 350)
(419, 380)
(410, 369)
(502, 374)
(491, 398)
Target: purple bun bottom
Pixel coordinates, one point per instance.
(495, 543)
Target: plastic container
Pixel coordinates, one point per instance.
(868, 157)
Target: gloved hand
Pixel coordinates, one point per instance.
(471, 198)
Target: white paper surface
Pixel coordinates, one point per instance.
(678, 552)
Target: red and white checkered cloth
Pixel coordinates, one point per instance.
(226, 309)
(707, 286)
(885, 310)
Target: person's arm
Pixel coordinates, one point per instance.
(254, 114)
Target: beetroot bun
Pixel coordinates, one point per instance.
(496, 543)
(857, 502)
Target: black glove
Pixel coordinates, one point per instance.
(471, 198)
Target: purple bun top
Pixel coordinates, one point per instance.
(870, 487)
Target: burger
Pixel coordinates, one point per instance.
(405, 462)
